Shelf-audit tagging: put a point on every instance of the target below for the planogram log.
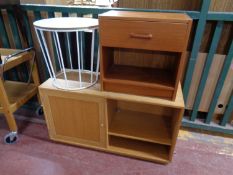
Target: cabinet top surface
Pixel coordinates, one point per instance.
(146, 16)
(95, 91)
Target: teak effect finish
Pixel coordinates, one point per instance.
(131, 125)
(14, 94)
(160, 36)
(151, 32)
(120, 122)
(146, 16)
(75, 117)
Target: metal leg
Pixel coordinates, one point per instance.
(81, 50)
(48, 55)
(11, 121)
(79, 62)
(5, 104)
(97, 64)
(45, 57)
(92, 53)
(62, 62)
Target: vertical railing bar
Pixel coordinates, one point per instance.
(27, 37)
(209, 59)
(69, 52)
(196, 46)
(81, 40)
(29, 34)
(92, 53)
(17, 42)
(65, 14)
(51, 15)
(60, 53)
(220, 83)
(95, 16)
(228, 112)
(43, 52)
(78, 55)
(4, 36)
(14, 29)
(37, 15)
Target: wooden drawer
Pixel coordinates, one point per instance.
(163, 36)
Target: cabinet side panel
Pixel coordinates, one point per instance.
(47, 112)
(175, 126)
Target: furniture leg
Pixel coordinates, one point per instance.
(11, 121)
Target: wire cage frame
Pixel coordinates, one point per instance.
(67, 36)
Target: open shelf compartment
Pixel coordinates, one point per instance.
(145, 122)
(140, 72)
(138, 149)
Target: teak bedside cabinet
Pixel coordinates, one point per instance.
(143, 53)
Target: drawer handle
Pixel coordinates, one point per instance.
(140, 36)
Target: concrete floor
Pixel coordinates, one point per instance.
(35, 154)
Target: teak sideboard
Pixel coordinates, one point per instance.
(131, 125)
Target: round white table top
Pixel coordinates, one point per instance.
(66, 23)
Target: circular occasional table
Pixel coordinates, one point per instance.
(62, 41)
